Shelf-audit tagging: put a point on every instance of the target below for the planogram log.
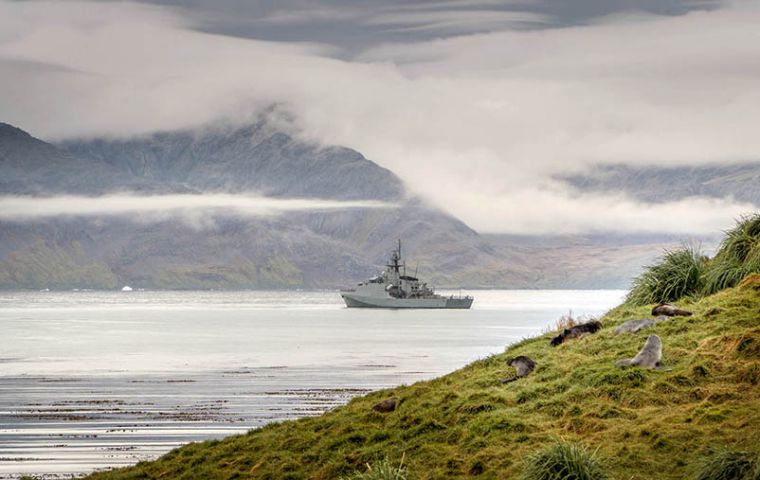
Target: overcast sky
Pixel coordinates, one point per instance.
(476, 104)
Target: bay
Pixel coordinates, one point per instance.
(92, 380)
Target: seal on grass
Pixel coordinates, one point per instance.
(386, 406)
(522, 364)
(576, 331)
(670, 310)
(634, 326)
(648, 357)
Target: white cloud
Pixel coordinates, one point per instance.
(532, 211)
(159, 207)
(478, 124)
(528, 211)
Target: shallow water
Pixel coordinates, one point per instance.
(90, 380)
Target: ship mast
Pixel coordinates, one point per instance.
(400, 257)
(395, 260)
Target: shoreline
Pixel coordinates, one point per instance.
(469, 422)
(160, 350)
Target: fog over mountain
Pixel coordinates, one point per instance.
(320, 217)
(117, 239)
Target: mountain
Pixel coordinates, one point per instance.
(664, 184)
(324, 249)
(241, 159)
(309, 248)
(30, 166)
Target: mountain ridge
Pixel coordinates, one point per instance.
(656, 184)
(246, 158)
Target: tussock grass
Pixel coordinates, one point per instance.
(564, 461)
(647, 423)
(737, 257)
(686, 272)
(725, 464)
(679, 273)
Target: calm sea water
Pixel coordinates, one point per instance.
(92, 380)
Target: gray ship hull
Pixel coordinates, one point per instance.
(354, 300)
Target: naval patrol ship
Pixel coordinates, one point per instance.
(395, 289)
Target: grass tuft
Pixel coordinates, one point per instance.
(679, 273)
(382, 470)
(725, 464)
(564, 461)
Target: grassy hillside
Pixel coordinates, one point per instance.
(642, 424)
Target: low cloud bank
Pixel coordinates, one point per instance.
(159, 207)
(547, 212)
(526, 212)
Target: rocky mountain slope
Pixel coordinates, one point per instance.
(30, 166)
(254, 157)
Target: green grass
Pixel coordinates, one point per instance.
(564, 461)
(645, 423)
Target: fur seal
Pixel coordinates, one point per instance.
(634, 326)
(648, 357)
(522, 364)
(386, 406)
(576, 331)
(670, 310)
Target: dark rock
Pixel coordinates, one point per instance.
(386, 406)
